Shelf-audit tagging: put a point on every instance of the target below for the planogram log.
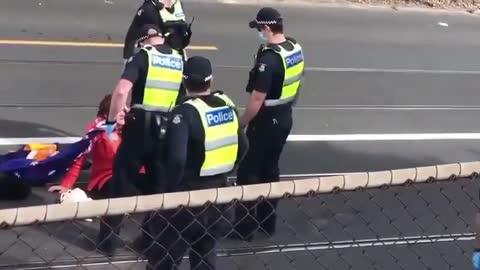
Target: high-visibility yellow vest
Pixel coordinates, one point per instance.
(163, 81)
(221, 136)
(293, 63)
(178, 14)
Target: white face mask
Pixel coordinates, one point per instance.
(261, 36)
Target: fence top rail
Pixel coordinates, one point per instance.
(300, 187)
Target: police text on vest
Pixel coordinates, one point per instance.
(219, 117)
(294, 59)
(167, 62)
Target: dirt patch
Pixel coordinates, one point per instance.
(469, 5)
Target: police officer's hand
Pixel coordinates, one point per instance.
(159, 5)
(109, 128)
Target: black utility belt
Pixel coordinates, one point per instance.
(156, 121)
(266, 117)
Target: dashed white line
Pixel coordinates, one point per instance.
(384, 137)
(272, 249)
(379, 70)
(20, 141)
(389, 107)
(293, 138)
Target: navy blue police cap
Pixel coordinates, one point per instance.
(198, 69)
(148, 31)
(266, 16)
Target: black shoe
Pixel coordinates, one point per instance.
(106, 248)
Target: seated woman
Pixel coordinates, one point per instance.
(102, 153)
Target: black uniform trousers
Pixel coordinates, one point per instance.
(110, 226)
(105, 230)
(140, 146)
(267, 138)
(195, 229)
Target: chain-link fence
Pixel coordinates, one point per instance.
(419, 218)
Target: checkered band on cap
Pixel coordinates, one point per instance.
(266, 22)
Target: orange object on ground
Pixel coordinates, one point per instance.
(40, 151)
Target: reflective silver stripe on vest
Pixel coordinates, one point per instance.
(221, 143)
(276, 102)
(163, 85)
(217, 170)
(292, 80)
(151, 108)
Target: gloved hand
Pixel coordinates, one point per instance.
(109, 127)
(476, 259)
(158, 5)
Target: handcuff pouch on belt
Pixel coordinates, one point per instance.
(160, 123)
(154, 122)
(157, 124)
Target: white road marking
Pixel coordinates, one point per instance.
(20, 141)
(379, 70)
(294, 138)
(389, 107)
(319, 69)
(382, 70)
(446, 107)
(232, 2)
(360, 243)
(384, 137)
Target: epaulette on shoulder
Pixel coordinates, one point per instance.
(273, 47)
(147, 47)
(294, 41)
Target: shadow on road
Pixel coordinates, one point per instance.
(18, 129)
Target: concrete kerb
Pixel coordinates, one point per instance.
(300, 187)
(352, 5)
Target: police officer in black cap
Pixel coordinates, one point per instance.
(166, 14)
(205, 143)
(273, 85)
(152, 77)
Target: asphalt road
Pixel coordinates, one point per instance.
(376, 72)
(368, 72)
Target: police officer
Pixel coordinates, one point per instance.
(168, 15)
(273, 86)
(205, 143)
(476, 251)
(153, 76)
(179, 31)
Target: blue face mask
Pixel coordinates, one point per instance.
(261, 36)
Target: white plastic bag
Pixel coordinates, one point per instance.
(75, 195)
